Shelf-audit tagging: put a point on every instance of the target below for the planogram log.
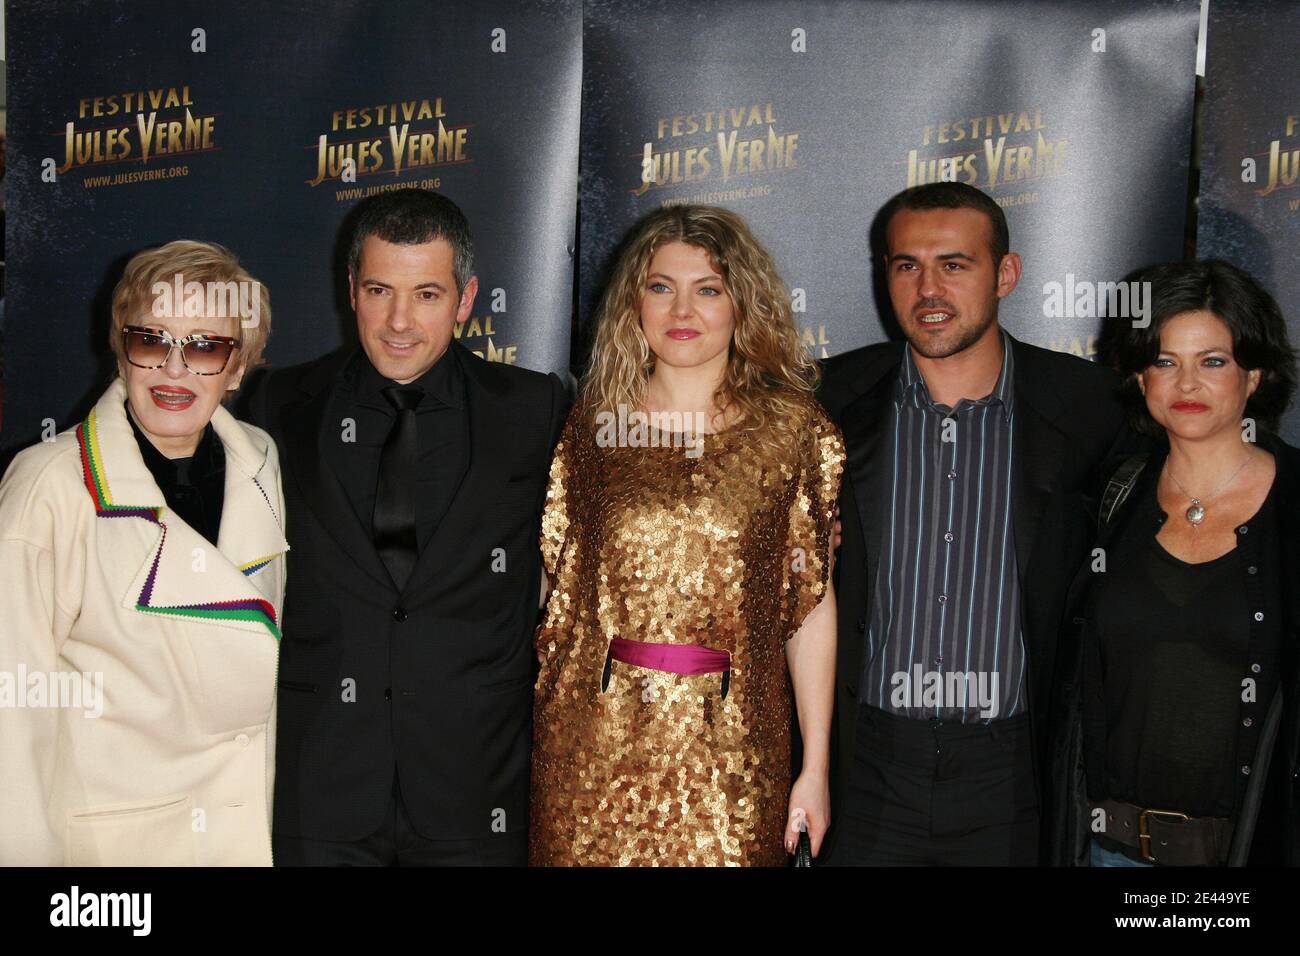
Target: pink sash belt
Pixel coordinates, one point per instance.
(673, 658)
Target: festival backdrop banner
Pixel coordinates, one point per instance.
(259, 126)
(805, 118)
(1250, 151)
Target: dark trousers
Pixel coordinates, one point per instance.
(932, 793)
(396, 843)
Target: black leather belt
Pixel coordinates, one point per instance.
(1168, 837)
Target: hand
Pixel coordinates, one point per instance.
(810, 794)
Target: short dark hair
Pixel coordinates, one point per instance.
(1259, 336)
(945, 195)
(408, 217)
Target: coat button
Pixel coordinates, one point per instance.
(1259, 615)
(1254, 668)
(1247, 721)
(399, 614)
(1252, 570)
(388, 693)
(1243, 529)
(862, 625)
(1246, 770)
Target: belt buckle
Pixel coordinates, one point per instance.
(1144, 835)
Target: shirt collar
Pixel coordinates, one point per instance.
(442, 382)
(912, 387)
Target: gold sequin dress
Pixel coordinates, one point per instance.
(724, 548)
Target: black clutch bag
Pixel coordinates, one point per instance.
(803, 852)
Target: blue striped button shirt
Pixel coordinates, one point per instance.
(944, 639)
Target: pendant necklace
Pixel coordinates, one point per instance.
(1195, 513)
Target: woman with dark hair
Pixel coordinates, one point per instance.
(689, 569)
(1177, 741)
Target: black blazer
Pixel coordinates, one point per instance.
(435, 681)
(1067, 423)
(1268, 820)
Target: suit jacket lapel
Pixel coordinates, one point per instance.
(486, 470)
(867, 440)
(1040, 449)
(864, 423)
(305, 431)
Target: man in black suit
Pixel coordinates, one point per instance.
(972, 459)
(414, 475)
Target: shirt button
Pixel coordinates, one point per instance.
(947, 536)
(1252, 569)
(952, 475)
(1247, 721)
(399, 614)
(1254, 668)
(242, 740)
(1242, 530)
(1259, 615)
(938, 660)
(1246, 770)
(943, 599)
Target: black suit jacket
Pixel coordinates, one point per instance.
(1068, 425)
(434, 681)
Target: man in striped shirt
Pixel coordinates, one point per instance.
(971, 461)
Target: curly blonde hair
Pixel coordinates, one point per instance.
(769, 377)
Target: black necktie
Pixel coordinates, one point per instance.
(394, 518)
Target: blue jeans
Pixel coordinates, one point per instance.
(1103, 857)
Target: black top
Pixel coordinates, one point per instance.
(1168, 649)
(443, 444)
(194, 487)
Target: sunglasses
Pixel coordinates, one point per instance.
(202, 354)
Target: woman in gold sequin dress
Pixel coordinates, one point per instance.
(686, 542)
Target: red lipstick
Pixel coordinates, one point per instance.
(172, 398)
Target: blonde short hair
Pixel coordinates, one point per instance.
(194, 261)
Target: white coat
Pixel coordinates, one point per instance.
(163, 751)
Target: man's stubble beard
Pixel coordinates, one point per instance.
(968, 339)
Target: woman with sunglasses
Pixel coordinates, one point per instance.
(141, 579)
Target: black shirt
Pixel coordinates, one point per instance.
(1169, 646)
(360, 418)
(193, 487)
